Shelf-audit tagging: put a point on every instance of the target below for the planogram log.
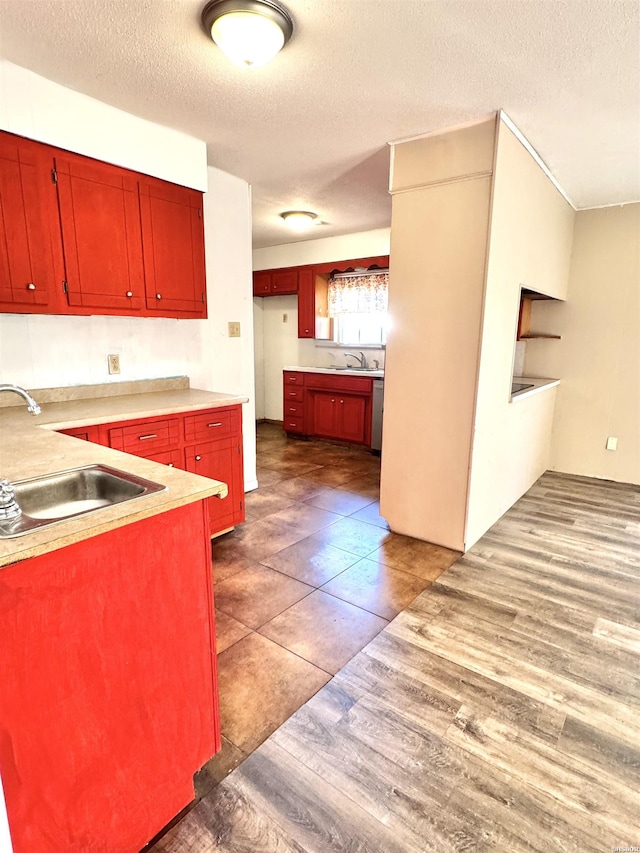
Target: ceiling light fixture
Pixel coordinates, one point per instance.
(299, 220)
(248, 32)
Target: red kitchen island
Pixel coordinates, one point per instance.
(108, 697)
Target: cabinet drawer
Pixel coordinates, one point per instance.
(293, 409)
(172, 458)
(293, 394)
(210, 425)
(146, 438)
(291, 377)
(293, 424)
(352, 384)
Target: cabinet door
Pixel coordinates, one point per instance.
(102, 243)
(351, 418)
(26, 263)
(173, 245)
(284, 281)
(306, 304)
(324, 417)
(219, 460)
(262, 283)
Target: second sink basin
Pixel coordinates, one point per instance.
(66, 494)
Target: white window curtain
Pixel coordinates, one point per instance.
(358, 294)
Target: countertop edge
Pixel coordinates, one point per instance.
(183, 487)
(372, 374)
(539, 385)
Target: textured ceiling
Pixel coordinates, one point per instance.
(310, 129)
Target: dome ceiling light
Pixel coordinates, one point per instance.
(299, 220)
(248, 32)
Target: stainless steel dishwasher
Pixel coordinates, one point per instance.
(376, 415)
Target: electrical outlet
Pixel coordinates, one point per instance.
(285, 318)
(113, 362)
(612, 443)
(234, 330)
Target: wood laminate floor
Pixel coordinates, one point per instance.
(499, 711)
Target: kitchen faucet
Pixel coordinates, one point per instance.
(9, 508)
(32, 407)
(362, 361)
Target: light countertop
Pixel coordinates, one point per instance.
(29, 447)
(375, 374)
(538, 385)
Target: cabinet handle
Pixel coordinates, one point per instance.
(292, 393)
(170, 465)
(333, 401)
(129, 293)
(198, 458)
(158, 296)
(31, 286)
(147, 437)
(341, 402)
(293, 379)
(215, 425)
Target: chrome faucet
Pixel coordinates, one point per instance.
(32, 407)
(362, 361)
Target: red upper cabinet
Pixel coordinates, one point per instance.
(262, 283)
(284, 281)
(79, 236)
(275, 282)
(26, 262)
(173, 245)
(306, 304)
(101, 237)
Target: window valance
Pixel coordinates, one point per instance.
(358, 294)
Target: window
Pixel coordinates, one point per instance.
(361, 328)
(358, 303)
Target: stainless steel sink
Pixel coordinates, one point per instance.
(356, 367)
(58, 497)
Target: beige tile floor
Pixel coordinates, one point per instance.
(308, 580)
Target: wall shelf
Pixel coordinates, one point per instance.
(527, 298)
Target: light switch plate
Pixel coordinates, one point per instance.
(234, 330)
(612, 443)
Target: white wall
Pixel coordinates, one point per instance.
(280, 345)
(40, 351)
(441, 187)
(530, 240)
(361, 244)
(33, 106)
(598, 357)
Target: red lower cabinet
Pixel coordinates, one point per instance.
(220, 460)
(207, 442)
(108, 672)
(316, 404)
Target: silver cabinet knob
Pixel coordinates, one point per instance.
(333, 401)
(158, 296)
(31, 286)
(341, 401)
(198, 458)
(129, 293)
(170, 465)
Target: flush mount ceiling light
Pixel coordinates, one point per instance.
(299, 220)
(248, 32)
